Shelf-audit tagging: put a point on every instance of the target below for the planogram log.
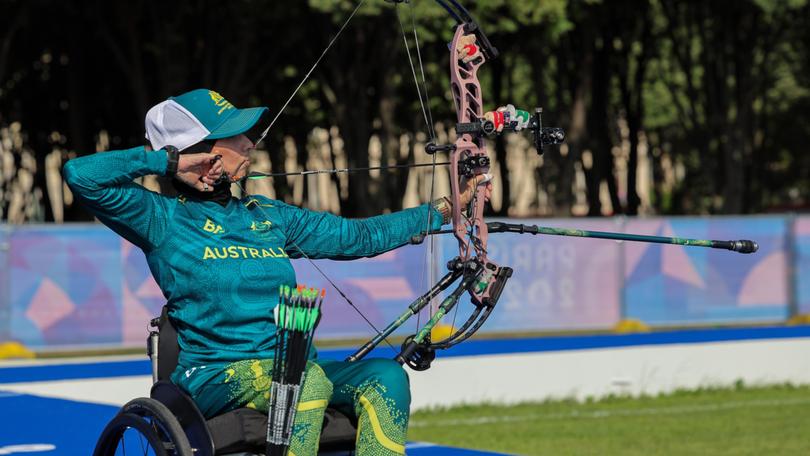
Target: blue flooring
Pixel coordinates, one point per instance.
(71, 428)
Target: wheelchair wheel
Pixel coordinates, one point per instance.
(129, 433)
(163, 422)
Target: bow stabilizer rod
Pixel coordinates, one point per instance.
(739, 246)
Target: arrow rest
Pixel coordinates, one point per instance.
(468, 166)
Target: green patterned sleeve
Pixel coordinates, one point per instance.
(324, 235)
(103, 183)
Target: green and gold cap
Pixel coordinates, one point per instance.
(194, 116)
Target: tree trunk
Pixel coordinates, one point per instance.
(498, 75)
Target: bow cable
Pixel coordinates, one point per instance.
(429, 275)
(422, 101)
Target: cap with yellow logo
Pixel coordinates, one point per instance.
(187, 119)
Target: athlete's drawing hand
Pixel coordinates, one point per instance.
(199, 170)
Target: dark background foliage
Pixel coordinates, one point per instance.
(709, 100)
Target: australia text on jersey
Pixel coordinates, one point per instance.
(242, 252)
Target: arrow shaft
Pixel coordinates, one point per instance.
(258, 175)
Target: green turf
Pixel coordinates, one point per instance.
(739, 421)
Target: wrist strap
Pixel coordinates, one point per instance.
(174, 158)
(444, 207)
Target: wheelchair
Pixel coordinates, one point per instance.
(168, 422)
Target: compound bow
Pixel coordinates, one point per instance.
(472, 270)
(476, 273)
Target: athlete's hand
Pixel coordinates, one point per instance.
(472, 184)
(199, 170)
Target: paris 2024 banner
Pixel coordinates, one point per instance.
(82, 285)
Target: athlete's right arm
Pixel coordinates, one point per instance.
(103, 183)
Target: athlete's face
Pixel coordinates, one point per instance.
(235, 152)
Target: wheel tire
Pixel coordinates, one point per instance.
(114, 431)
(163, 422)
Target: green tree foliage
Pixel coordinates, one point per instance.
(709, 100)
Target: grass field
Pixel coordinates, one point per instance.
(739, 421)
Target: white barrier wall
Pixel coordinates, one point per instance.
(502, 377)
(636, 370)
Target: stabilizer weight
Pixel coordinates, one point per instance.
(744, 246)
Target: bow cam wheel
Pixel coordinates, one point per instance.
(418, 356)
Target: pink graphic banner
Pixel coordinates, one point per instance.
(82, 285)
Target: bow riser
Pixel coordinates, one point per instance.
(471, 232)
(467, 97)
(466, 91)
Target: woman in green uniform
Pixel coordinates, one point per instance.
(218, 260)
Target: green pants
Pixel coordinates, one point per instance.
(378, 394)
(375, 392)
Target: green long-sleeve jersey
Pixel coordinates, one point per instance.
(220, 268)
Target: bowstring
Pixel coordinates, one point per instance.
(306, 76)
(427, 114)
(422, 101)
(264, 134)
(431, 274)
